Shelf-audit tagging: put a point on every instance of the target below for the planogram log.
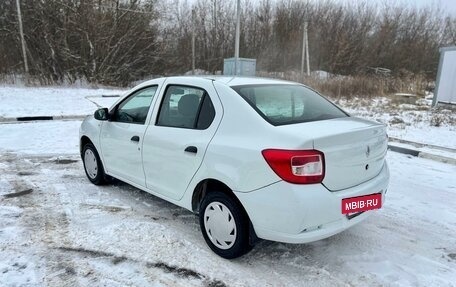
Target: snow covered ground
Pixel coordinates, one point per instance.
(416, 122)
(57, 229)
(44, 137)
(37, 101)
(64, 231)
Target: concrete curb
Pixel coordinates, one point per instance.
(403, 150)
(420, 145)
(422, 154)
(18, 120)
(438, 158)
(391, 145)
(15, 120)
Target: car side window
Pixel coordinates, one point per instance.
(186, 107)
(206, 115)
(135, 108)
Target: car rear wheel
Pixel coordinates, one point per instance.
(92, 165)
(224, 225)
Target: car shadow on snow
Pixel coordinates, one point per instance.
(264, 250)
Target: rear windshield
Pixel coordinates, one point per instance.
(288, 104)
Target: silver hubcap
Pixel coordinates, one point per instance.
(219, 224)
(90, 163)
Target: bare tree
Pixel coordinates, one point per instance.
(119, 41)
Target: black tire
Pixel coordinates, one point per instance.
(241, 242)
(100, 177)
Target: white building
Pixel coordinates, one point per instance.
(445, 89)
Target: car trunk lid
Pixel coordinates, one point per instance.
(354, 149)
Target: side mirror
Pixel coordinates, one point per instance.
(101, 114)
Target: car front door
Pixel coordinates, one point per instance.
(121, 137)
(175, 143)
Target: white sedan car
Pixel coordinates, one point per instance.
(255, 158)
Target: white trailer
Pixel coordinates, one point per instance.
(445, 88)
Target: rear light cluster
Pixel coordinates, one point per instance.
(296, 166)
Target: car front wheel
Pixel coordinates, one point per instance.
(92, 165)
(224, 225)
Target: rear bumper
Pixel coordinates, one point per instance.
(294, 213)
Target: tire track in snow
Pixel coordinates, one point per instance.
(175, 270)
(48, 217)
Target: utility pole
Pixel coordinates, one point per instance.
(214, 31)
(193, 41)
(305, 51)
(236, 48)
(21, 31)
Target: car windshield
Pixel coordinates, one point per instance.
(288, 104)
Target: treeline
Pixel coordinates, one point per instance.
(120, 41)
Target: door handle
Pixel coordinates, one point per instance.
(134, 139)
(191, 149)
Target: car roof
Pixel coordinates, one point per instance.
(239, 81)
(234, 80)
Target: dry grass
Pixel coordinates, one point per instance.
(363, 86)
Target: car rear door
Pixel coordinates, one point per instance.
(177, 137)
(121, 137)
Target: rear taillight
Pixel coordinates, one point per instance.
(296, 166)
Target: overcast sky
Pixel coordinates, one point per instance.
(448, 6)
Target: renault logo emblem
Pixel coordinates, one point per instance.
(368, 151)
